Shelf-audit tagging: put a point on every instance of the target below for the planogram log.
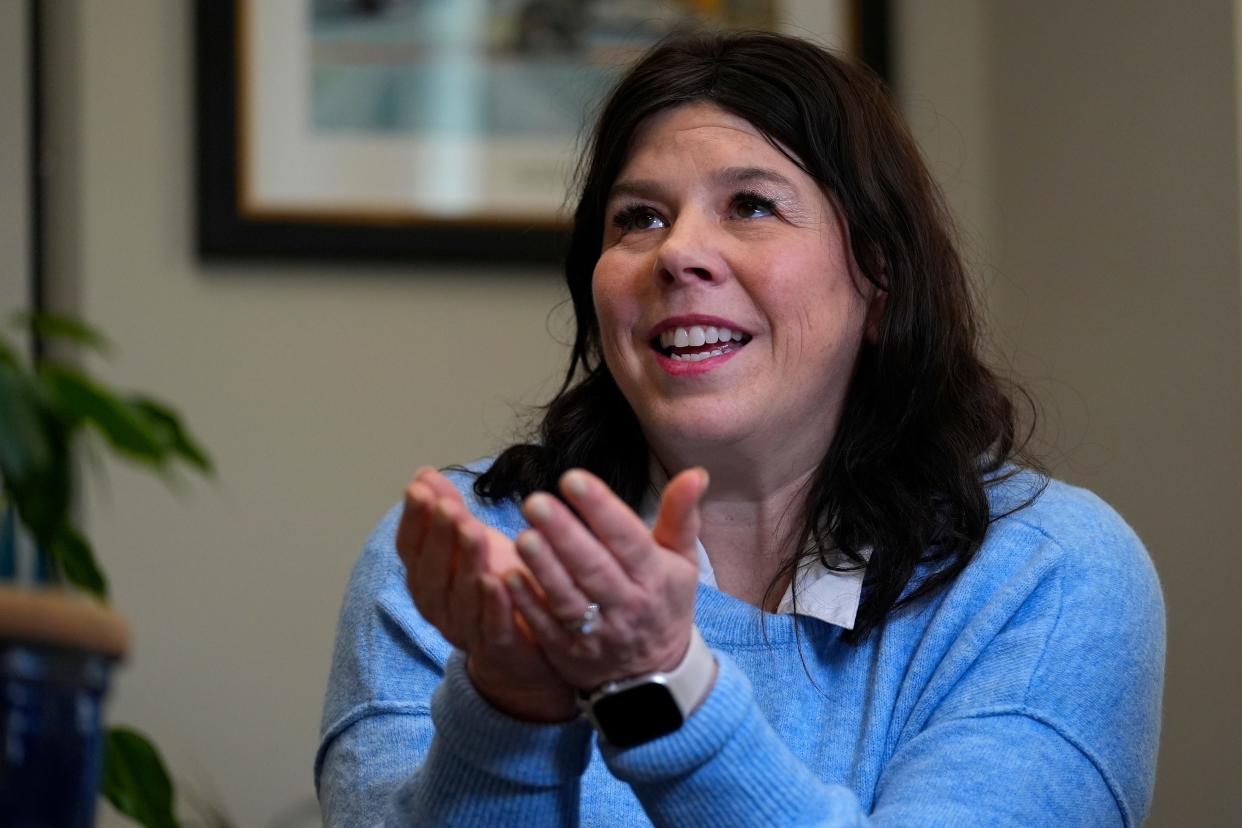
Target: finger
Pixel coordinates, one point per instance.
(434, 564)
(612, 521)
(439, 484)
(413, 524)
(464, 606)
(496, 617)
(677, 525)
(547, 630)
(560, 593)
(587, 561)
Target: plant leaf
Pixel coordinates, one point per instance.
(177, 438)
(72, 553)
(24, 448)
(42, 498)
(8, 353)
(53, 326)
(34, 455)
(135, 780)
(126, 429)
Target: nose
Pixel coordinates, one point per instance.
(690, 252)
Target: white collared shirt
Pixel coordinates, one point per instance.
(822, 593)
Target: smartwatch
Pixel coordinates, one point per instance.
(636, 710)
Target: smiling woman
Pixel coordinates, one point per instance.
(797, 569)
(735, 235)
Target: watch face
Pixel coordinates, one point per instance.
(637, 715)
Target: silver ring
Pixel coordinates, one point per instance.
(586, 623)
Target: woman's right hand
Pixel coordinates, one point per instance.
(454, 569)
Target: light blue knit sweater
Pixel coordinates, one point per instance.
(1027, 694)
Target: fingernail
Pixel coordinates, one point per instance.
(528, 544)
(514, 581)
(707, 478)
(538, 508)
(575, 483)
(465, 538)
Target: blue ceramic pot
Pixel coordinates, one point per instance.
(51, 734)
(57, 650)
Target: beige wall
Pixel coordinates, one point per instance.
(14, 159)
(1117, 146)
(1109, 152)
(1090, 149)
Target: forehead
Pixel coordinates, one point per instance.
(704, 129)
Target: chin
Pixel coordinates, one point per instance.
(681, 429)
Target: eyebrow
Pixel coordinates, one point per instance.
(730, 176)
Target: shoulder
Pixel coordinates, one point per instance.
(1066, 545)
(1060, 553)
(1064, 514)
(1055, 530)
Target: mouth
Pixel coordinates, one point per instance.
(697, 342)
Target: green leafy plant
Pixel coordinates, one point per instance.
(46, 408)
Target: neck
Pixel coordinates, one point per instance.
(751, 516)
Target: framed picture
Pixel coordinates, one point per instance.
(429, 129)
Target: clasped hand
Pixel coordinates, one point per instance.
(511, 606)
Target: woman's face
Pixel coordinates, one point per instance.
(730, 309)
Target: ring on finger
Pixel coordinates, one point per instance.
(586, 623)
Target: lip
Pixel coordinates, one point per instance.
(684, 368)
(688, 320)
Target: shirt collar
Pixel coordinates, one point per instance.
(822, 593)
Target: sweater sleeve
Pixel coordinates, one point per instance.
(727, 766)
(406, 740)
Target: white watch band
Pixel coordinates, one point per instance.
(688, 683)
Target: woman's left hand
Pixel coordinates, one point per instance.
(643, 580)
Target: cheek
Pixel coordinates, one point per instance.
(616, 306)
(606, 308)
(826, 320)
(611, 318)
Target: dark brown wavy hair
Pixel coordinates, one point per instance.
(926, 425)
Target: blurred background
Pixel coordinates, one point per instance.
(1090, 151)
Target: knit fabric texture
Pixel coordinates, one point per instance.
(1027, 693)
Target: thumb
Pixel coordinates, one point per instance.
(677, 525)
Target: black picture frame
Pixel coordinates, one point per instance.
(225, 232)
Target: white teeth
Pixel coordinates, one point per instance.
(699, 356)
(698, 335)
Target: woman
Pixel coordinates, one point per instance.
(872, 614)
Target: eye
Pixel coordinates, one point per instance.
(637, 217)
(753, 205)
